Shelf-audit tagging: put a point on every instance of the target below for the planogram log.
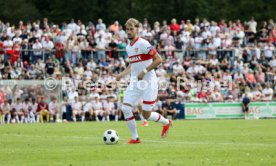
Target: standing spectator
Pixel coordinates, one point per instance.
(60, 52)
(85, 49)
(174, 26)
(122, 46)
(47, 46)
(245, 106)
(37, 51)
(25, 51)
(114, 27)
(113, 49)
(100, 25)
(50, 65)
(75, 52)
(100, 48)
(252, 25)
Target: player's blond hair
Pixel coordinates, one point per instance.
(132, 22)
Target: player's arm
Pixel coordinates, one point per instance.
(124, 73)
(157, 60)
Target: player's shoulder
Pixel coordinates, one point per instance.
(142, 41)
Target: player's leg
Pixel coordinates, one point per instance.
(143, 120)
(149, 97)
(96, 113)
(75, 112)
(51, 114)
(131, 98)
(102, 114)
(21, 115)
(117, 115)
(82, 113)
(107, 114)
(2, 117)
(8, 114)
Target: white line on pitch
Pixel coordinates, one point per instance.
(154, 141)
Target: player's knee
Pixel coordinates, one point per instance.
(146, 114)
(127, 110)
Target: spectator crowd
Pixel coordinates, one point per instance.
(220, 61)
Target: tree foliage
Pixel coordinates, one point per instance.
(110, 10)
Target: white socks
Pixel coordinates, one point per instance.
(154, 116)
(116, 118)
(3, 119)
(130, 120)
(142, 118)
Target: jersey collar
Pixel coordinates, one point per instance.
(131, 44)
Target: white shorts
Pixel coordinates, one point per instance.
(99, 112)
(142, 90)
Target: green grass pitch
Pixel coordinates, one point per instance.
(192, 142)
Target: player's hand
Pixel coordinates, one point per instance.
(141, 76)
(118, 77)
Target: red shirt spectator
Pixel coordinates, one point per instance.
(2, 97)
(42, 106)
(174, 26)
(1, 48)
(59, 50)
(14, 53)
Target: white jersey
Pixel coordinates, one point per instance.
(26, 107)
(17, 106)
(5, 107)
(76, 105)
(140, 55)
(108, 106)
(53, 107)
(98, 106)
(34, 107)
(87, 106)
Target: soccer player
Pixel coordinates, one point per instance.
(77, 109)
(143, 59)
(17, 110)
(5, 109)
(98, 109)
(109, 109)
(53, 109)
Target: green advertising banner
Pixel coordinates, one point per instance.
(229, 110)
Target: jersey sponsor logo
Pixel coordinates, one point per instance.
(139, 58)
(135, 59)
(136, 50)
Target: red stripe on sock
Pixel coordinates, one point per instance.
(131, 118)
(149, 102)
(158, 118)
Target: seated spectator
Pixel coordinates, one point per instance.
(43, 110)
(250, 79)
(267, 93)
(216, 96)
(169, 109)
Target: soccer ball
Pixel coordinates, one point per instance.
(110, 137)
